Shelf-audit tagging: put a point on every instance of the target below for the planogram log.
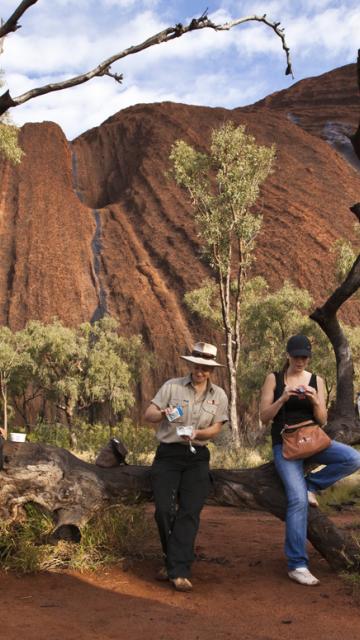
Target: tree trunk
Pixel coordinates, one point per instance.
(233, 413)
(69, 412)
(4, 402)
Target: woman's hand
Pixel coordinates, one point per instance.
(312, 394)
(287, 393)
(2, 432)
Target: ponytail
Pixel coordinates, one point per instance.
(285, 366)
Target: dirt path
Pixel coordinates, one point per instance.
(240, 592)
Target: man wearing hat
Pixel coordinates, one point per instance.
(195, 406)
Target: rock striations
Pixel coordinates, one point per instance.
(96, 226)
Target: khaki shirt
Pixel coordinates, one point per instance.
(201, 412)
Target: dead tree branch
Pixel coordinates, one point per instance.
(326, 318)
(12, 23)
(7, 101)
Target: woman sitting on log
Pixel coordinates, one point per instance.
(292, 397)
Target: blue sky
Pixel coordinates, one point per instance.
(61, 38)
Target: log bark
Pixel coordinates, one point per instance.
(72, 491)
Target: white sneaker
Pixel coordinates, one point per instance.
(312, 499)
(302, 575)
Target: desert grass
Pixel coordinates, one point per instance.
(105, 539)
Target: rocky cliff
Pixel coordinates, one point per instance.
(96, 226)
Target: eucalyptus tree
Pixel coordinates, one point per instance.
(14, 360)
(223, 185)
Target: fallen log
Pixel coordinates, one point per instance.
(72, 491)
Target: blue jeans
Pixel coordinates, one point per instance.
(340, 460)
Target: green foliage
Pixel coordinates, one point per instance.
(344, 491)
(140, 442)
(268, 318)
(104, 539)
(75, 369)
(9, 145)
(55, 434)
(223, 185)
(15, 365)
(90, 438)
(353, 336)
(345, 253)
(230, 457)
(205, 302)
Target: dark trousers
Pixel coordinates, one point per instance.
(181, 484)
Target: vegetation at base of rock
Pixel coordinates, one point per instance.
(345, 253)
(80, 372)
(90, 438)
(105, 539)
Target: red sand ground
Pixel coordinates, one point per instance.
(240, 591)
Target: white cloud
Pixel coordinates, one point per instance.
(332, 33)
(63, 38)
(127, 4)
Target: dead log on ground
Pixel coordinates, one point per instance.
(72, 491)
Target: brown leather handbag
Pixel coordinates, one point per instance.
(303, 440)
(112, 454)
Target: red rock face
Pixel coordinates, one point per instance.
(46, 261)
(96, 226)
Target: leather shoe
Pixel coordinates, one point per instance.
(182, 584)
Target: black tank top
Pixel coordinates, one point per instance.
(293, 411)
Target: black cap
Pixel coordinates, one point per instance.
(299, 346)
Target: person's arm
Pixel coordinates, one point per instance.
(2, 432)
(159, 406)
(154, 414)
(221, 416)
(317, 399)
(268, 406)
(208, 433)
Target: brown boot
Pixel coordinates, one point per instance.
(182, 584)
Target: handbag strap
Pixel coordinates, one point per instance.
(280, 383)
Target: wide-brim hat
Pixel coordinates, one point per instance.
(203, 353)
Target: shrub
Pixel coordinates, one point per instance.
(139, 441)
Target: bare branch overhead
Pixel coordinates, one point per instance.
(7, 101)
(12, 23)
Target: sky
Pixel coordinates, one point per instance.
(62, 38)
